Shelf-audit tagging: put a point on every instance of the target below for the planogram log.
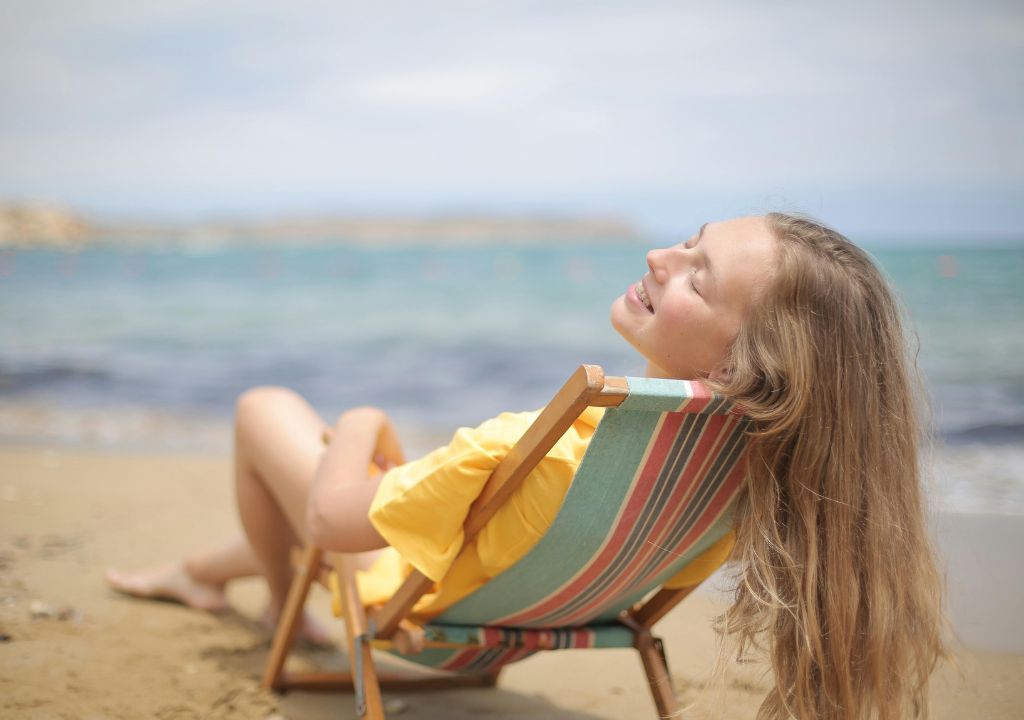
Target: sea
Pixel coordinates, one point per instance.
(146, 349)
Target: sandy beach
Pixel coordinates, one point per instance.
(73, 649)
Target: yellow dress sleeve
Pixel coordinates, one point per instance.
(704, 564)
(420, 507)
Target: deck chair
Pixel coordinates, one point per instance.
(652, 493)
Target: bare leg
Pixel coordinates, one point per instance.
(278, 432)
(197, 581)
(277, 450)
(219, 565)
(277, 439)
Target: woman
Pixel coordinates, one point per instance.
(838, 584)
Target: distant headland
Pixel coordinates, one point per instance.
(24, 225)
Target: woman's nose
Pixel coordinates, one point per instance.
(663, 260)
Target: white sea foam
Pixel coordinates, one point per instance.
(971, 478)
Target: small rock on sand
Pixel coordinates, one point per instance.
(394, 706)
(39, 610)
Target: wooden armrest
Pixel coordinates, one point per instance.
(585, 388)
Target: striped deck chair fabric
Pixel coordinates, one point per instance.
(653, 492)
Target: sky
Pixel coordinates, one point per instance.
(886, 119)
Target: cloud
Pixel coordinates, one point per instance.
(192, 107)
(448, 88)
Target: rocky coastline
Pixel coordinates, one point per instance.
(28, 225)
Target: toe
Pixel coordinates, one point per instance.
(125, 583)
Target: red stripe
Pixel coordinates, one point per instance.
(533, 639)
(722, 497)
(634, 504)
(582, 638)
(717, 504)
(712, 510)
(625, 527)
(511, 657)
(460, 660)
(465, 658)
(686, 486)
(682, 494)
(701, 398)
(717, 432)
(492, 636)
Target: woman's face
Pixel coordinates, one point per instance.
(685, 312)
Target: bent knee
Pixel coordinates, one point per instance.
(256, 402)
(359, 410)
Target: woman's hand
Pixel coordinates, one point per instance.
(388, 450)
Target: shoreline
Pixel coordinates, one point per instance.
(961, 478)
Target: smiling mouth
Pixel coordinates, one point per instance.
(641, 292)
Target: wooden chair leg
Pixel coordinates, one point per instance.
(288, 624)
(657, 674)
(369, 704)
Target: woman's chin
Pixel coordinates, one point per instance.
(613, 313)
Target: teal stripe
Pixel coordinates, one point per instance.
(689, 434)
(696, 507)
(655, 394)
(594, 501)
(729, 454)
(592, 504)
(662, 395)
(714, 533)
(580, 528)
(652, 510)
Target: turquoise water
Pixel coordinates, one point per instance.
(438, 336)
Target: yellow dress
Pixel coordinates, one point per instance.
(420, 508)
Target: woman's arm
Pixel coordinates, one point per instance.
(343, 486)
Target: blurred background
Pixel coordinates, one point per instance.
(430, 206)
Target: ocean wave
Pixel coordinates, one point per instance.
(1002, 433)
(961, 478)
(29, 379)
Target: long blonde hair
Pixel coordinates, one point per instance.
(839, 586)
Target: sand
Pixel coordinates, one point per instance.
(73, 649)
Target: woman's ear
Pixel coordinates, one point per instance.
(721, 374)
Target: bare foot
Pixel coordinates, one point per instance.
(169, 582)
(310, 629)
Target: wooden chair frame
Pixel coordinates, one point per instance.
(587, 387)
